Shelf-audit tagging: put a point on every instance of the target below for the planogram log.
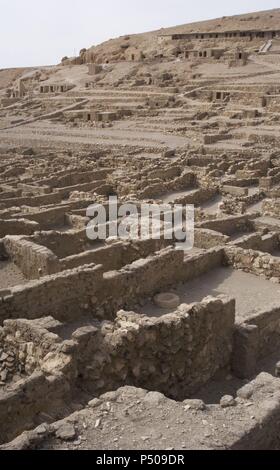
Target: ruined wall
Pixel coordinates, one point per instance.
(255, 339)
(268, 331)
(197, 197)
(238, 205)
(255, 241)
(116, 255)
(205, 238)
(37, 394)
(174, 354)
(66, 296)
(62, 244)
(47, 218)
(146, 277)
(271, 207)
(269, 181)
(149, 188)
(34, 201)
(231, 206)
(29, 341)
(34, 354)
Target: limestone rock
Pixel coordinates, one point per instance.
(66, 432)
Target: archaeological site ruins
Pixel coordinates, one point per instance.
(135, 344)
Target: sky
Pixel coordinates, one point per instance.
(34, 33)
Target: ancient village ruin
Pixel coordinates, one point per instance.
(96, 334)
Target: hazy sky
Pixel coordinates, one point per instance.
(33, 32)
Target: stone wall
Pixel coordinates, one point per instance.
(271, 207)
(197, 197)
(49, 252)
(228, 225)
(205, 238)
(67, 296)
(150, 188)
(71, 178)
(33, 260)
(238, 205)
(254, 262)
(214, 138)
(255, 339)
(146, 277)
(269, 181)
(174, 354)
(255, 241)
(17, 227)
(232, 206)
(63, 244)
(48, 218)
(34, 201)
(115, 255)
(44, 368)
(89, 291)
(30, 341)
(37, 394)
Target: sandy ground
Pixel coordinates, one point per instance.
(252, 293)
(172, 196)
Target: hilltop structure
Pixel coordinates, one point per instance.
(134, 344)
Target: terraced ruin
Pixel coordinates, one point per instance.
(113, 344)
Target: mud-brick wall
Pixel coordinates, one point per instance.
(88, 290)
(17, 227)
(197, 197)
(205, 238)
(149, 187)
(62, 244)
(269, 181)
(268, 331)
(30, 343)
(37, 394)
(271, 207)
(115, 256)
(255, 339)
(254, 262)
(141, 278)
(174, 354)
(146, 277)
(32, 259)
(254, 241)
(66, 296)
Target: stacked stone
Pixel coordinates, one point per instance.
(8, 366)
